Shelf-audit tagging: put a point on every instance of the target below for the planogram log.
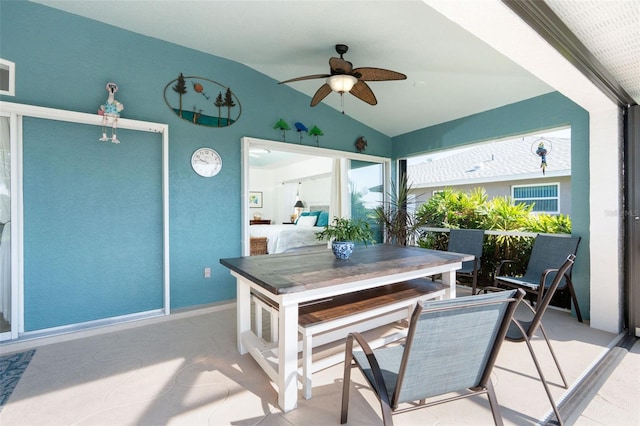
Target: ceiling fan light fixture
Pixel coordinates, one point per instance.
(341, 83)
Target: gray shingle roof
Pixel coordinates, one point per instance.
(493, 161)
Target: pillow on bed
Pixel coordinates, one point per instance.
(307, 221)
(323, 219)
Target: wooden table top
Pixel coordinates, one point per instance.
(294, 272)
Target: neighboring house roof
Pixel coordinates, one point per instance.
(506, 160)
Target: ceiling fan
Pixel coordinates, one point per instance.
(344, 78)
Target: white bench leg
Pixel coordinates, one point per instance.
(260, 308)
(307, 372)
(257, 316)
(274, 324)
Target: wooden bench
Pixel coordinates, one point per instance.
(329, 320)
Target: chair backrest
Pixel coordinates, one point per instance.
(549, 252)
(452, 344)
(546, 300)
(468, 241)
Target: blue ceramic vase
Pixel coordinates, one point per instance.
(342, 249)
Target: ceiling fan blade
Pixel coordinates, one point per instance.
(340, 66)
(306, 77)
(322, 93)
(362, 91)
(378, 74)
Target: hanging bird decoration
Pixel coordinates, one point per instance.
(110, 109)
(542, 153)
(282, 125)
(315, 131)
(361, 144)
(300, 128)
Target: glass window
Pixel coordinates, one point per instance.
(544, 198)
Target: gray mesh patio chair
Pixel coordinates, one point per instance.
(523, 330)
(451, 346)
(548, 252)
(468, 241)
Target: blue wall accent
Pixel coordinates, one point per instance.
(539, 113)
(93, 227)
(64, 61)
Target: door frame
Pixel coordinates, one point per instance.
(16, 111)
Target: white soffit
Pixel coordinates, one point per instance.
(495, 24)
(610, 30)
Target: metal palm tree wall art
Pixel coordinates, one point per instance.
(202, 101)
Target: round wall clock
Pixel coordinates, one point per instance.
(206, 162)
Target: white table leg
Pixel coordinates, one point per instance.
(288, 357)
(449, 278)
(243, 311)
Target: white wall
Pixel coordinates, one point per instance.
(314, 176)
(605, 221)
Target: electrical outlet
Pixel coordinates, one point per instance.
(207, 272)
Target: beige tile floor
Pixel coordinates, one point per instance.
(185, 370)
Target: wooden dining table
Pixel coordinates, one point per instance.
(291, 279)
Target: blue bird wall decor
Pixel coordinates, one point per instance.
(300, 128)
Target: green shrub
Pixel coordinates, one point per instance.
(456, 209)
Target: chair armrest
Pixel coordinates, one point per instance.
(491, 289)
(379, 386)
(499, 268)
(545, 273)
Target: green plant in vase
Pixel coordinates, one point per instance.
(344, 233)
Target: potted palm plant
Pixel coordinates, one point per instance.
(344, 233)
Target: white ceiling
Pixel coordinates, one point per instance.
(451, 74)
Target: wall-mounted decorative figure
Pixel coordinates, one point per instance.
(282, 125)
(189, 98)
(301, 128)
(110, 110)
(361, 144)
(542, 152)
(315, 131)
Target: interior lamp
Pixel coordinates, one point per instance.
(341, 83)
(298, 206)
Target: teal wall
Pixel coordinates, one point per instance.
(539, 113)
(91, 209)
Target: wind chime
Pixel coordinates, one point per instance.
(542, 151)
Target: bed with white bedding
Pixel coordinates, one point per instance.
(282, 238)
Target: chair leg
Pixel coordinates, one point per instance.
(386, 414)
(574, 298)
(493, 403)
(553, 355)
(474, 281)
(539, 295)
(346, 379)
(543, 380)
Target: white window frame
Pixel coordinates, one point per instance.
(557, 184)
(11, 68)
